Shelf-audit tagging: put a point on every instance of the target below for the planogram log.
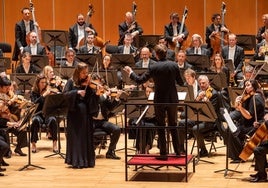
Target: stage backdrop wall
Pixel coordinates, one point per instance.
(242, 16)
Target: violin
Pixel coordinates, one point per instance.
(259, 136)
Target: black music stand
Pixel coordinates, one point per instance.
(55, 38)
(27, 121)
(64, 72)
(24, 81)
(229, 64)
(233, 93)
(39, 61)
(149, 41)
(199, 62)
(200, 112)
(125, 77)
(216, 80)
(248, 42)
(89, 59)
(56, 105)
(121, 60)
(228, 120)
(189, 90)
(111, 76)
(5, 63)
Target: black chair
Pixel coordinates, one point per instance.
(111, 49)
(5, 47)
(100, 139)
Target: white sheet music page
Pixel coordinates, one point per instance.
(229, 121)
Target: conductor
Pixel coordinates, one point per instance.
(166, 75)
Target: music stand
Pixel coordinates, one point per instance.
(248, 42)
(64, 72)
(234, 92)
(5, 63)
(200, 112)
(216, 80)
(125, 77)
(199, 62)
(231, 128)
(89, 59)
(111, 76)
(56, 105)
(229, 64)
(189, 90)
(24, 81)
(121, 60)
(39, 61)
(27, 121)
(55, 38)
(149, 41)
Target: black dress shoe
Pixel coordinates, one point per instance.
(259, 179)
(3, 163)
(112, 155)
(253, 175)
(18, 151)
(162, 158)
(8, 154)
(1, 174)
(2, 169)
(235, 161)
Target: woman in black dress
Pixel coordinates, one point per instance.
(83, 105)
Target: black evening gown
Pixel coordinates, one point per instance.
(80, 151)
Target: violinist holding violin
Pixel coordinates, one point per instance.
(250, 108)
(83, 104)
(55, 83)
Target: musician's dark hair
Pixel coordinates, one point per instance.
(160, 51)
(4, 81)
(79, 68)
(24, 8)
(69, 51)
(174, 15)
(39, 77)
(214, 16)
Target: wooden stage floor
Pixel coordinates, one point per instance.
(111, 173)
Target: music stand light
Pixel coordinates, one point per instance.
(24, 81)
(55, 38)
(200, 62)
(89, 59)
(5, 63)
(64, 72)
(56, 105)
(39, 61)
(121, 60)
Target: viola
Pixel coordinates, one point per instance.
(254, 141)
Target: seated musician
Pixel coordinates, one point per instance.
(170, 53)
(144, 137)
(181, 61)
(26, 66)
(261, 51)
(101, 120)
(70, 59)
(196, 46)
(260, 153)
(34, 48)
(206, 93)
(89, 47)
(250, 108)
(39, 92)
(145, 60)
(55, 83)
(248, 73)
(5, 84)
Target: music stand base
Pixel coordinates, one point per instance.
(28, 165)
(226, 170)
(198, 159)
(56, 153)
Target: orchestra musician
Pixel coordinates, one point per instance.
(70, 59)
(213, 33)
(26, 66)
(163, 72)
(89, 47)
(127, 47)
(83, 103)
(55, 83)
(170, 53)
(129, 26)
(260, 153)
(261, 30)
(39, 91)
(250, 108)
(261, 51)
(181, 61)
(145, 60)
(22, 29)
(79, 31)
(34, 48)
(172, 30)
(5, 99)
(196, 46)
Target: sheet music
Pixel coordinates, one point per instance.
(229, 121)
(181, 96)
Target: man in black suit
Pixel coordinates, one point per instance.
(70, 59)
(131, 26)
(34, 48)
(181, 61)
(166, 75)
(127, 47)
(172, 30)
(261, 30)
(236, 54)
(214, 29)
(261, 52)
(79, 31)
(89, 47)
(22, 28)
(145, 60)
(196, 46)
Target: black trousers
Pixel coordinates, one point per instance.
(260, 157)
